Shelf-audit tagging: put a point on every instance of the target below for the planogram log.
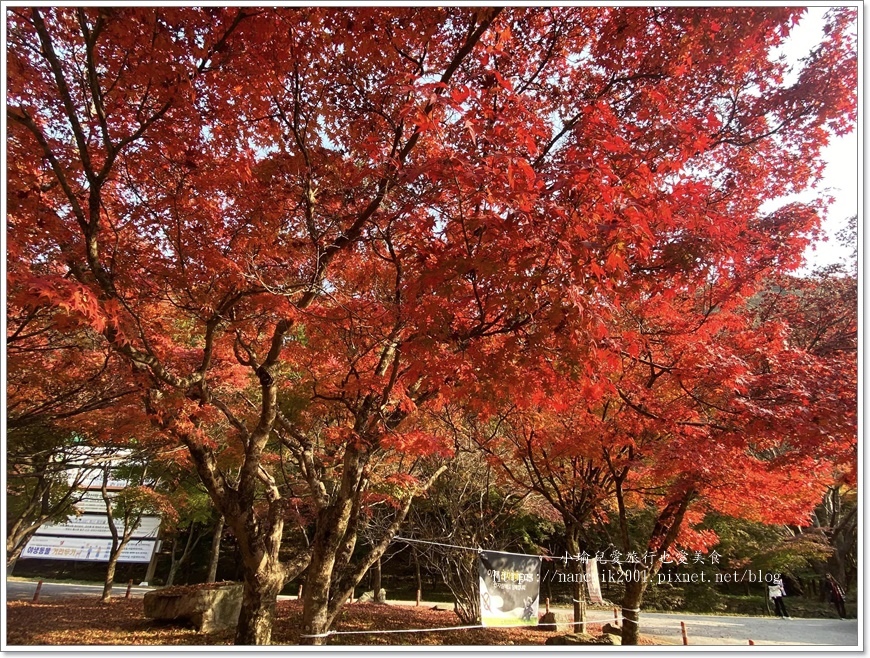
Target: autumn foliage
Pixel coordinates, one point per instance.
(294, 231)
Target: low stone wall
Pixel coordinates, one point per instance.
(209, 608)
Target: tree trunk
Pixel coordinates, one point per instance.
(315, 597)
(634, 589)
(330, 578)
(836, 567)
(119, 541)
(152, 566)
(258, 606)
(215, 550)
(663, 535)
(327, 541)
(173, 564)
(176, 563)
(572, 541)
(331, 534)
(12, 556)
(417, 574)
(173, 570)
(376, 582)
(579, 608)
(264, 576)
(110, 574)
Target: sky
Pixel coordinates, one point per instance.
(842, 155)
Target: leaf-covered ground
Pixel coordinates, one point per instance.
(87, 621)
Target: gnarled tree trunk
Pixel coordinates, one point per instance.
(330, 578)
(330, 540)
(257, 616)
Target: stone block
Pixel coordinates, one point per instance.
(208, 608)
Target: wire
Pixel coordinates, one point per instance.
(418, 630)
(479, 550)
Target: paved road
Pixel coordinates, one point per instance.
(705, 630)
(710, 630)
(23, 590)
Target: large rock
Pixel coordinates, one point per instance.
(611, 629)
(583, 639)
(369, 597)
(547, 622)
(209, 608)
(570, 638)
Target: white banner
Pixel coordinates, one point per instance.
(89, 525)
(90, 550)
(509, 588)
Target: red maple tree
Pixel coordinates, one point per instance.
(301, 225)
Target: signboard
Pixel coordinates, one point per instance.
(92, 501)
(509, 588)
(89, 550)
(593, 585)
(94, 462)
(88, 537)
(89, 525)
(92, 478)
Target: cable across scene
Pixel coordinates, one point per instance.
(418, 630)
(481, 550)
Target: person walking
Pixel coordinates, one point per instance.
(836, 595)
(776, 591)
